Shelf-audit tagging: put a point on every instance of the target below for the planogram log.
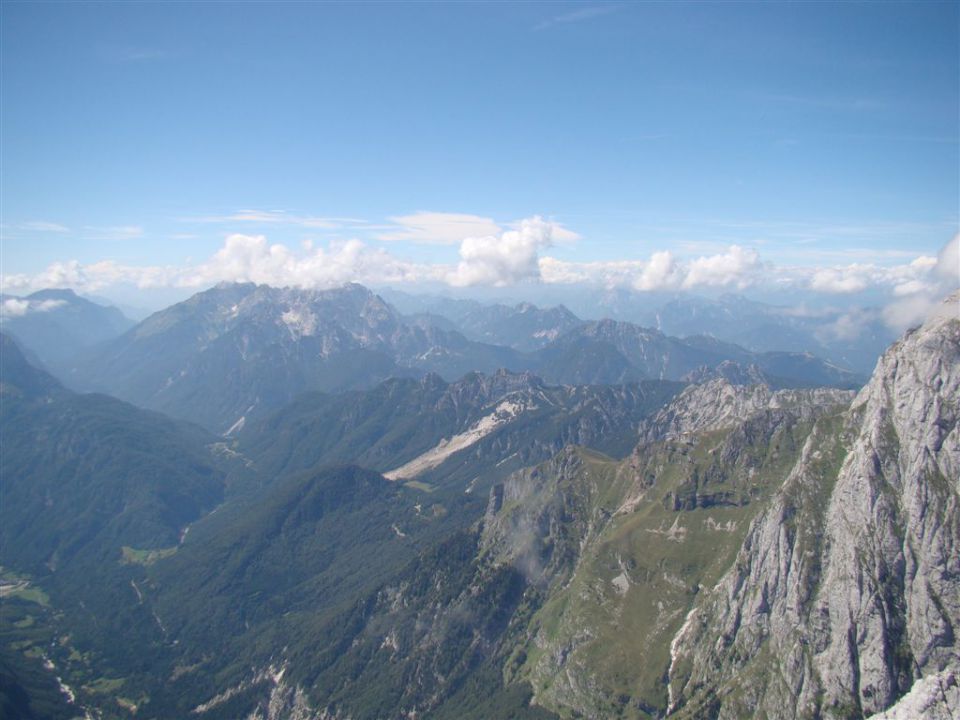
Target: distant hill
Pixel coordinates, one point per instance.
(56, 325)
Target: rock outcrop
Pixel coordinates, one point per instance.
(846, 590)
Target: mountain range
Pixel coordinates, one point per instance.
(492, 547)
(239, 352)
(852, 338)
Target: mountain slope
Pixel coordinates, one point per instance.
(451, 434)
(240, 350)
(91, 488)
(845, 592)
(55, 325)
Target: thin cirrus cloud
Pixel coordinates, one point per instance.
(438, 228)
(576, 16)
(43, 226)
(112, 233)
(278, 217)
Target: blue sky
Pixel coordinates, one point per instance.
(817, 135)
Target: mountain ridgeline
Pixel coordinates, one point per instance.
(55, 325)
(583, 535)
(238, 352)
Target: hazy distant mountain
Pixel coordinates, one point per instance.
(55, 325)
(522, 327)
(417, 303)
(239, 350)
(852, 339)
(236, 352)
(610, 351)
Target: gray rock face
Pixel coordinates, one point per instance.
(720, 404)
(935, 697)
(847, 588)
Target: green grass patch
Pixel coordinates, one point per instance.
(421, 486)
(133, 556)
(104, 686)
(27, 593)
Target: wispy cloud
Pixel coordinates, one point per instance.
(112, 233)
(137, 54)
(855, 103)
(277, 217)
(438, 228)
(43, 226)
(579, 15)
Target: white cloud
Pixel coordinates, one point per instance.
(509, 256)
(851, 279)
(250, 258)
(738, 267)
(17, 307)
(439, 228)
(503, 259)
(923, 294)
(661, 273)
(14, 307)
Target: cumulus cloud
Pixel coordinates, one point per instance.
(503, 259)
(661, 273)
(850, 279)
(514, 254)
(14, 307)
(249, 258)
(922, 294)
(18, 307)
(738, 267)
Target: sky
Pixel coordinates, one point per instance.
(701, 147)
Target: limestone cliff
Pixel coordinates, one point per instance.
(846, 590)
